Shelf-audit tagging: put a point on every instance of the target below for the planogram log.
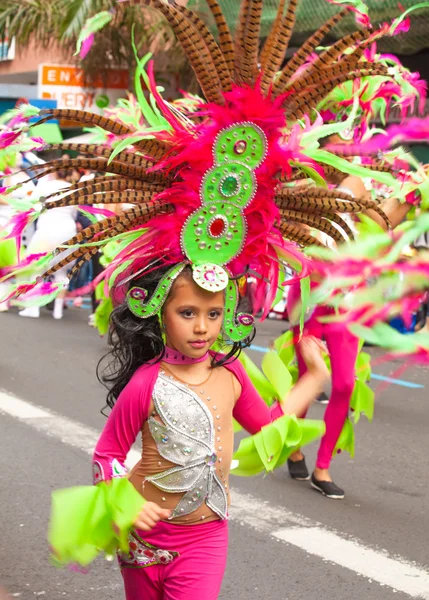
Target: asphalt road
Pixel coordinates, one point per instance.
(286, 541)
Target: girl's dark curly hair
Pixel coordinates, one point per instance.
(135, 341)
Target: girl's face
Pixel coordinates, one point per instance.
(192, 317)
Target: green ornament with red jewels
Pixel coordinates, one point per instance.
(214, 234)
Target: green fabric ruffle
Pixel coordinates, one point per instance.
(88, 520)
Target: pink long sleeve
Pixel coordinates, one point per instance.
(123, 425)
(250, 409)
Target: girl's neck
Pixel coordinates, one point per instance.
(174, 357)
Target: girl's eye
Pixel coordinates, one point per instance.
(188, 314)
(214, 314)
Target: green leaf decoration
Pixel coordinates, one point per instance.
(92, 25)
(310, 173)
(305, 299)
(285, 348)
(363, 366)
(362, 402)
(399, 20)
(270, 447)
(277, 374)
(294, 373)
(102, 316)
(153, 117)
(346, 441)
(280, 290)
(247, 459)
(87, 520)
(343, 165)
(126, 143)
(263, 386)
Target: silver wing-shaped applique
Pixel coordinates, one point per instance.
(186, 438)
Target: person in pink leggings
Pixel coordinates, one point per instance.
(343, 348)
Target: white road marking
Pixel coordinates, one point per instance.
(264, 517)
(397, 574)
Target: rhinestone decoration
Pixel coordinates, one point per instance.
(193, 453)
(142, 309)
(138, 293)
(97, 472)
(229, 186)
(231, 182)
(244, 142)
(142, 554)
(210, 277)
(245, 319)
(210, 460)
(240, 147)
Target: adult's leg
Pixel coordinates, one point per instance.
(312, 327)
(343, 349)
(296, 462)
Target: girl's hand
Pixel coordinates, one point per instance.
(149, 516)
(312, 350)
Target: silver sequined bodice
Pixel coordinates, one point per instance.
(186, 437)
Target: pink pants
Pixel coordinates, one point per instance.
(196, 574)
(343, 349)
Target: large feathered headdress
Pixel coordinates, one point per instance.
(215, 188)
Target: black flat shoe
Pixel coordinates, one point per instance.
(298, 469)
(327, 488)
(322, 399)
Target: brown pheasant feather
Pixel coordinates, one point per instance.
(117, 197)
(278, 51)
(225, 38)
(313, 192)
(272, 36)
(225, 76)
(310, 98)
(104, 152)
(195, 49)
(98, 164)
(147, 210)
(302, 201)
(308, 80)
(302, 54)
(299, 235)
(116, 225)
(314, 220)
(251, 39)
(82, 117)
(242, 70)
(333, 52)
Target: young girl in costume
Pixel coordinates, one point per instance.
(210, 205)
(182, 397)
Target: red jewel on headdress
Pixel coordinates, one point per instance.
(217, 227)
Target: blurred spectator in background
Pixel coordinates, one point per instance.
(54, 227)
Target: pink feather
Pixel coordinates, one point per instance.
(86, 45)
(7, 138)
